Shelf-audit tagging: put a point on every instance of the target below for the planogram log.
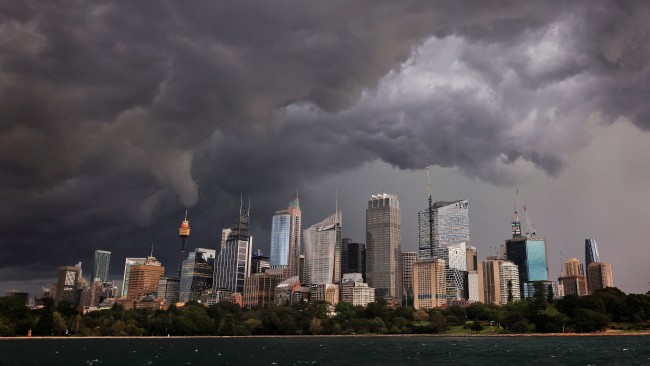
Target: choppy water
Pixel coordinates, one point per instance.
(604, 350)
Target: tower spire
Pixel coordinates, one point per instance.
(430, 214)
(516, 224)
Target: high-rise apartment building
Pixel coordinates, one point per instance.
(449, 226)
(144, 278)
(574, 281)
(285, 238)
(600, 276)
(353, 257)
(127, 272)
(233, 262)
(500, 281)
(384, 245)
(323, 251)
(101, 265)
(408, 259)
(429, 284)
(197, 274)
(69, 280)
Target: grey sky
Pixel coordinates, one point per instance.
(116, 117)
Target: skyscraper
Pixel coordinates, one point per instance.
(127, 272)
(384, 245)
(429, 284)
(197, 275)
(591, 253)
(353, 257)
(285, 238)
(68, 282)
(144, 278)
(574, 281)
(408, 259)
(101, 265)
(169, 289)
(600, 276)
(450, 226)
(323, 251)
(500, 280)
(233, 262)
(529, 254)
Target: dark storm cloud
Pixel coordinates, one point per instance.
(114, 116)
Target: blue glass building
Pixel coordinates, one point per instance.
(280, 239)
(591, 252)
(529, 254)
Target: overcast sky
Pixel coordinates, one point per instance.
(117, 117)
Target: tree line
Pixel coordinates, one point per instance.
(606, 308)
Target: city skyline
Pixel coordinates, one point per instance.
(112, 127)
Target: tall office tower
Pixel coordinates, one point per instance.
(69, 280)
(168, 289)
(101, 265)
(285, 238)
(499, 278)
(449, 226)
(259, 288)
(302, 275)
(353, 257)
(259, 262)
(127, 272)
(233, 262)
(429, 284)
(591, 253)
(198, 271)
(600, 276)
(323, 251)
(183, 233)
(529, 254)
(408, 259)
(144, 278)
(384, 245)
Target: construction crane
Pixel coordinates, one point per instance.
(531, 226)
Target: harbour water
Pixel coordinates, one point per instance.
(597, 350)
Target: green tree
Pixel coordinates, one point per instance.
(438, 322)
(510, 297)
(477, 326)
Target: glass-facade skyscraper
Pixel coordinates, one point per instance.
(384, 245)
(233, 263)
(450, 226)
(101, 265)
(353, 257)
(323, 251)
(591, 253)
(530, 255)
(285, 238)
(197, 274)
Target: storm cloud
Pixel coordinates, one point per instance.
(115, 117)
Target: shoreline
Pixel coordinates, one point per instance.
(525, 335)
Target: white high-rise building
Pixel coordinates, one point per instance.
(323, 251)
(450, 226)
